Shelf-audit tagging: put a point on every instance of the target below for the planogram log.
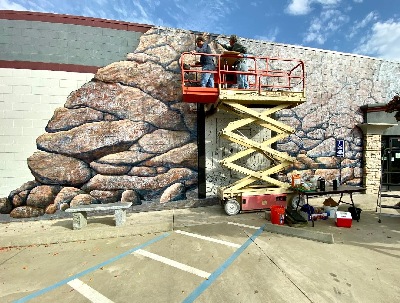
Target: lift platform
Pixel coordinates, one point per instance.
(274, 84)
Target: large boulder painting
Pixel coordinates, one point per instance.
(123, 136)
(127, 136)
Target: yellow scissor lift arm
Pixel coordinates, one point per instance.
(274, 84)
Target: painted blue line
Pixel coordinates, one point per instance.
(203, 286)
(87, 271)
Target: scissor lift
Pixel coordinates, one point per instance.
(274, 84)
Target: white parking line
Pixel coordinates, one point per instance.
(58, 284)
(173, 263)
(244, 225)
(89, 293)
(208, 238)
(215, 275)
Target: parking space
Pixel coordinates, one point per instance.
(169, 267)
(205, 257)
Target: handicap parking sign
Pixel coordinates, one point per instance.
(339, 148)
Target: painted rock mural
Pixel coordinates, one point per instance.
(124, 136)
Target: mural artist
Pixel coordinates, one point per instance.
(206, 62)
(240, 64)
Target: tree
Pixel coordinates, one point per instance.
(394, 105)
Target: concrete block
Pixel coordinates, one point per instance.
(21, 72)
(31, 132)
(79, 220)
(120, 217)
(22, 90)
(10, 114)
(5, 89)
(68, 83)
(5, 72)
(89, 61)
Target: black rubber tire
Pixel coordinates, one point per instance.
(232, 207)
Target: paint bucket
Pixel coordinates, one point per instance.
(277, 214)
(331, 211)
(296, 180)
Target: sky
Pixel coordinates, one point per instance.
(363, 27)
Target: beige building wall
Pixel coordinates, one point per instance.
(28, 99)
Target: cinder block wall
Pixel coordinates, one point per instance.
(53, 42)
(43, 58)
(28, 99)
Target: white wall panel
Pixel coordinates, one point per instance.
(28, 99)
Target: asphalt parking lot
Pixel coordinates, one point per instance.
(198, 255)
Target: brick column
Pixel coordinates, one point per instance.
(372, 163)
(372, 155)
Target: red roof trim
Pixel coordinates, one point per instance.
(48, 66)
(76, 20)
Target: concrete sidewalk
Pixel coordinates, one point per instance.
(59, 230)
(361, 266)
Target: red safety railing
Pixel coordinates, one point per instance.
(263, 74)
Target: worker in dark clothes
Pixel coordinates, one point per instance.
(240, 64)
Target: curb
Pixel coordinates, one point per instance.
(300, 233)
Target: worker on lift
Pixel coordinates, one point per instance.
(206, 62)
(240, 64)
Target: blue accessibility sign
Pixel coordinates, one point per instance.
(340, 148)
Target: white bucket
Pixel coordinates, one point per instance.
(331, 211)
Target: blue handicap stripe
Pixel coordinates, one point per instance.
(203, 286)
(87, 271)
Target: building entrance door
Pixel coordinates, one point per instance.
(390, 161)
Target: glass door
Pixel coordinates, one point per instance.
(391, 161)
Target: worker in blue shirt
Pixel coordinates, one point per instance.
(206, 62)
